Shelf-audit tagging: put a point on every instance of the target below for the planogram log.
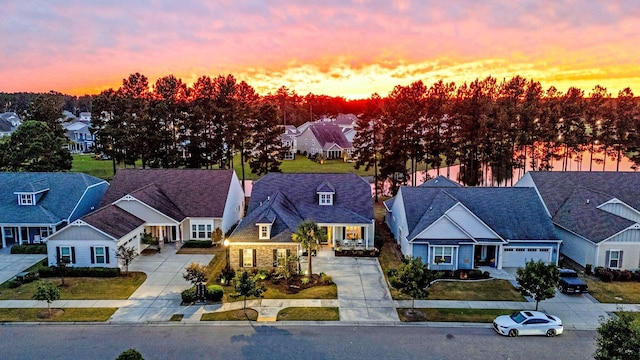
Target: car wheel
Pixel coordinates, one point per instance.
(513, 332)
(551, 333)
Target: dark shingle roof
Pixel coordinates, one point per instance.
(153, 196)
(194, 192)
(289, 199)
(513, 213)
(328, 133)
(53, 206)
(113, 221)
(572, 199)
(440, 181)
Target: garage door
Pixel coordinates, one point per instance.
(518, 256)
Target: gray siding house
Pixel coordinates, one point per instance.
(596, 214)
(324, 138)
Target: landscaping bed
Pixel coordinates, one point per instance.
(357, 253)
(451, 315)
(309, 314)
(58, 315)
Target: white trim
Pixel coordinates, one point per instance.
(267, 230)
(618, 259)
(444, 216)
(635, 226)
(132, 198)
(82, 197)
(476, 217)
(79, 222)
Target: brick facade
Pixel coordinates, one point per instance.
(263, 254)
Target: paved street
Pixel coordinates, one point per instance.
(182, 341)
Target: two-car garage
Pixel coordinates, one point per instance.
(518, 256)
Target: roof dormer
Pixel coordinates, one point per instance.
(325, 192)
(264, 224)
(30, 193)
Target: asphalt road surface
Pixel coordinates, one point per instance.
(283, 342)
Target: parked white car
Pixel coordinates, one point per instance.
(528, 322)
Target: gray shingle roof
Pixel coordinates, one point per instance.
(513, 213)
(289, 199)
(194, 192)
(440, 181)
(113, 221)
(53, 206)
(328, 134)
(572, 199)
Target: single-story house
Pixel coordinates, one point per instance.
(33, 205)
(596, 214)
(172, 205)
(279, 203)
(453, 227)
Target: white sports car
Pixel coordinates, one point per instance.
(528, 323)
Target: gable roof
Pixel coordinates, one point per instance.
(328, 134)
(512, 213)
(289, 199)
(191, 192)
(440, 181)
(573, 197)
(113, 220)
(53, 206)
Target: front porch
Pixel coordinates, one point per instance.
(349, 236)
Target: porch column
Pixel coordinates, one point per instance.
(366, 237)
(4, 241)
(499, 250)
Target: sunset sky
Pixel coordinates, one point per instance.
(334, 47)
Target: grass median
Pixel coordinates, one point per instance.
(231, 315)
(309, 314)
(451, 315)
(58, 315)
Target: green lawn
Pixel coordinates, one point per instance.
(491, 290)
(232, 315)
(449, 315)
(309, 314)
(634, 315)
(316, 292)
(68, 315)
(81, 288)
(614, 292)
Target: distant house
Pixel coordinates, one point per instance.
(172, 205)
(596, 214)
(324, 138)
(288, 140)
(9, 122)
(35, 205)
(452, 227)
(340, 203)
(81, 139)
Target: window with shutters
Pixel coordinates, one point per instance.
(282, 257)
(614, 258)
(65, 254)
(99, 255)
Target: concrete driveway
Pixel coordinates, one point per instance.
(160, 295)
(11, 264)
(363, 294)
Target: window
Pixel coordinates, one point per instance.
(201, 231)
(264, 231)
(326, 198)
(306, 142)
(441, 253)
(352, 232)
(26, 199)
(45, 232)
(247, 257)
(99, 256)
(615, 258)
(66, 254)
(281, 257)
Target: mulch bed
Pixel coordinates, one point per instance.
(294, 285)
(413, 315)
(44, 314)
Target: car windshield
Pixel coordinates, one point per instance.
(518, 317)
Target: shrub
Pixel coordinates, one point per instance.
(587, 269)
(131, 354)
(214, 293)
(12, 284)
(100, 272)
(326, 279)
(197, 244)
(189, 295)
(606, 275)
(305, 280)
(29, 249)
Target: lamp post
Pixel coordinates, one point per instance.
(226, 246)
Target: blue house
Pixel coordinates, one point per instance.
(452, 227)
(35, 205)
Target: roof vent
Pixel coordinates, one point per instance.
(587, 201)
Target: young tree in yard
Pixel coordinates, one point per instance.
(538, 280)
(126, 256)
(618, 339)
(309, 235)
(247, 285)
(196, 274)
(131, 354)
(413, 278)
(47, 291)
(62, 269)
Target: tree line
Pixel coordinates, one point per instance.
(492, 127)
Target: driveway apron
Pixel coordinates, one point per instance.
(159, 296)
(12, 264)
(363, 294)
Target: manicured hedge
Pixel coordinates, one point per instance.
(29, 249)
(608, 275)
(189, 295)
(100, 272)
(197, 244)
(214, 293)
